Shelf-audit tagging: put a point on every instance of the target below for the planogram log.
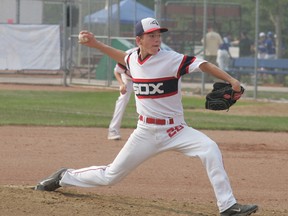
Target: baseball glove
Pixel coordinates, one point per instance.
(222, 97)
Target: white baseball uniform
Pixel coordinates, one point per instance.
(161, 127)
(123, 99)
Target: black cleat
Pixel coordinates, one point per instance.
(240, 210)
(51, 183)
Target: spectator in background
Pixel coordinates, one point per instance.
(223, 53)
(245, 45)
(212, 41)
(270, 46)
(262, 51)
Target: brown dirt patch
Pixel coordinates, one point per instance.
(169, 184)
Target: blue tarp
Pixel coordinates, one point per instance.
(127, 13)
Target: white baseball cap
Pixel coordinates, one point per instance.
(262, 34)
(148, 25)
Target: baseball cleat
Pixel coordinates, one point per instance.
(113, 135)
(240, 210)
(51, 183)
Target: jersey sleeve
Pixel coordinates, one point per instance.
(195, 66)
(124, 68)
(189, 64)
(127, 61)
(129, 52)
(119, 68)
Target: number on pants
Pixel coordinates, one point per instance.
(174, 130)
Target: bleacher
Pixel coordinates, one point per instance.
(246, 65)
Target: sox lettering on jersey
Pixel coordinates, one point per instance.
(149, 88)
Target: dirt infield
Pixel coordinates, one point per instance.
(169, 184)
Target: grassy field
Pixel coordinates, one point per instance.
(95, 109)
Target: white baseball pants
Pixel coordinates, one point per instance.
(120, 106)
(148, 140)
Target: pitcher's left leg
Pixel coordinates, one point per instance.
(195, 143)
(212, 160)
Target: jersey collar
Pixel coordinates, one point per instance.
(142, 61)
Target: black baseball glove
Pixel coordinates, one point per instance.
(222, 97)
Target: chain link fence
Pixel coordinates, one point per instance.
(112, 21)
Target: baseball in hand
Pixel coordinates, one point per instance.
(82, 38)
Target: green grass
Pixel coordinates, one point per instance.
(270, 95)
(220, 121)
(95, 109)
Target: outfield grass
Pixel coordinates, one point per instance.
(95, 109)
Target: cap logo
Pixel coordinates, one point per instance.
(155, 22)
